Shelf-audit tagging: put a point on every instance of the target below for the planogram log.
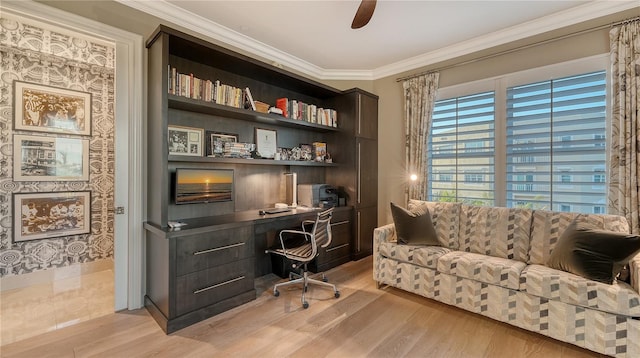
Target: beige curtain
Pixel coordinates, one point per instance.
(624, 181)
(419, 97)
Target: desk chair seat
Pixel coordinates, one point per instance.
(301, 247)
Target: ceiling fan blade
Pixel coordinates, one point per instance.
(364, 13)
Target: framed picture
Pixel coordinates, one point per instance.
(266, 142)
(43, 108)
(306, 152)
(185, 141)
(50, 158)
(216, 142)
(46, 215)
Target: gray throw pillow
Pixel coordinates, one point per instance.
(593, 254)
(414, 228)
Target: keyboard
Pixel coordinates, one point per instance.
(276, 210)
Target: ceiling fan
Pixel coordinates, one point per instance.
(364, 13)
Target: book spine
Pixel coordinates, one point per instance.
(283, 104)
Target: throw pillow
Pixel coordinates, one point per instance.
(593, 254)
(414, 228)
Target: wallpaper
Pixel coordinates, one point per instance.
(38, 53)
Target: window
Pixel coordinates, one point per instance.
(461, 144)
(473, 178)
(560, 119)
(473, 147)
(599, 209)
(533, 144)
(526, 185)
(599, 140)
(446, 177)
(599, 176)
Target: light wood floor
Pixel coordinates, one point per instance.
(364, 321)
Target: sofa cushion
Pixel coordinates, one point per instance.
(547, 226)
(493, 231)
(414, 228)
(617, 298)
(594, 254)
(425, 256)
(445, 218)
(487, 269)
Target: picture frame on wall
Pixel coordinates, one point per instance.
(41, 158)
(42, 108)
(266, 143)
(47, 215)
(185, 141)
(216, 142)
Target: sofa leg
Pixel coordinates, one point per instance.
(379, 285)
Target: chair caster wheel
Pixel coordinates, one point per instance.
(305, 305)
(276, 293)
(337, 294)
(324, 279)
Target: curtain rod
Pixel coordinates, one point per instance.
(486, 57)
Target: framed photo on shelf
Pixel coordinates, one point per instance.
(41, 108)
(50, 158)
(46, 215)
(216, 141)
(185, 141)
(266, 142)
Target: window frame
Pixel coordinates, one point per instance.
(499, 84)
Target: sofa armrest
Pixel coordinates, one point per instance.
(634, 271)
(386, 233)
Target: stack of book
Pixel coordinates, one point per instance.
(299, 110)
(238, 150)
(186, 85)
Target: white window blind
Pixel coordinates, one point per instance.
(555, 144)
(461, 150)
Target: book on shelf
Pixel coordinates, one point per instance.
(190, 86)
(249, 100)
(312, 113)
(283, 104)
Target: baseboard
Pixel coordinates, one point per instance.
(11, 282)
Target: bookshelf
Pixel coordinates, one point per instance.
(233, 230)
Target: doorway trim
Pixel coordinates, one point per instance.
(129, 116)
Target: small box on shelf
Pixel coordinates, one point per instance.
(261, 107)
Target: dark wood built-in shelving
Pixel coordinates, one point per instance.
(209, 265)
(199, 106)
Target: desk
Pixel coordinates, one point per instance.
(209, 265)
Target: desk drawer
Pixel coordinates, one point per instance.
(340, 241)
(206, 287)
(202, 251)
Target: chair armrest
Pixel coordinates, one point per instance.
(386, 233)
(634, 271)
(308, 236)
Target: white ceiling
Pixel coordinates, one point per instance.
(315, 37)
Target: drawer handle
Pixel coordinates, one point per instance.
(340, 223)
(337, 247)
(218, 249)
(218, 285)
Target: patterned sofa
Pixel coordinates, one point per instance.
(493, 263)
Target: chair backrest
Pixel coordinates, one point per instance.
(322, 229)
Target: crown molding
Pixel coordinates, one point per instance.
(278, 58)
(586, 12)
(198, 24)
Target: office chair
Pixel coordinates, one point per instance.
(301, 247)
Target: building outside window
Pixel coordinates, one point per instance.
(553, 138)
(461, 147)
